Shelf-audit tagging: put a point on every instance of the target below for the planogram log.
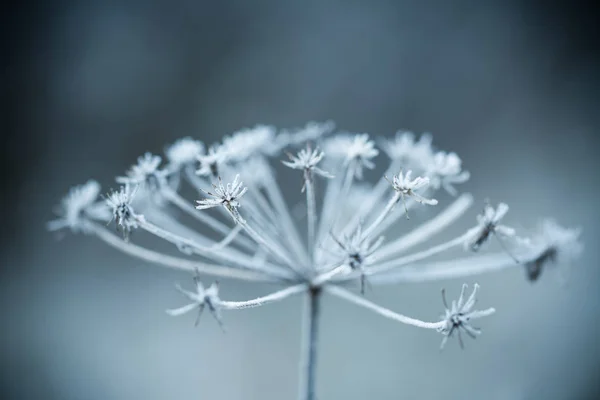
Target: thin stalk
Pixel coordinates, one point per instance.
(388, 208)
(309, 345)
(311, 209)
(376, 194)
(177, 262)
(264, 300)
(289, 227)
(425, 231)
(204, 218)
(361, 301)
(457, 268)
(421, 255)
(212, 252)
(270, 247)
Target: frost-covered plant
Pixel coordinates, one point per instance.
(240, 201)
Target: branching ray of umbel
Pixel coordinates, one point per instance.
(249, 231)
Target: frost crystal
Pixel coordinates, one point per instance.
(199, 300)
(123, 213)
(78, 204)
(445, 171)
(145, 173)
(458, 317)
(184, 151)
(358, 252)
(487, 226)
(211, 161)
(357, 151)
(307, 161)
(406, 188)
(411, 154)
(323, 246)
(226, 196)
(552, 244)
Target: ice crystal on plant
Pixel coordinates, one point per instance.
(459, 315)
(344, 224)
(78, 206)
(227, 196)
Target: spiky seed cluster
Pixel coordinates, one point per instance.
(77, 206)
(184, 151)
(406, 187)
(459, 315)
(344, 241)
(202, 298)
(122, 210)
(488, 225)
(145, 173)
(552, 244)
(307, 160)
(227, 196)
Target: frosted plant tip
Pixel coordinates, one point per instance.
(184, 151)
(201, 299)
(145, 173)
(123, 213)
(553, 244)
(76, 206)
(307, 160)
(358, 252)
(487, 225)
(405, 187)
(226, 196)
(458, 316)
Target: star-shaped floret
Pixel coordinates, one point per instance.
(212, 161)
(409, 152)
(201, 299)
(184, 151)
(78, 204)
(487, 226)
(358, 252)
(458, 317)
(552, 244)
(307, 160)
(226, 196)
(445, 170)
(123, 213)
(312, 131)
(406, 187)
(247, 142)
(145, 173)
(361, 150)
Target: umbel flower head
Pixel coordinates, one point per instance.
(307, 160)
(79, 206)
(459, 315)
(202, 298)
(552, 244)
(334, 243)
(227, 196)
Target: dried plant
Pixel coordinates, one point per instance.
(259, 238)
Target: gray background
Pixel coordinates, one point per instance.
(89, 85)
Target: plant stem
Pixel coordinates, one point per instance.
(309, 344)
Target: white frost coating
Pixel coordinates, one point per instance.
(184, 151)
(314, 244)
(361, 301)
(427, 230)
(457, 268)
(79, 205)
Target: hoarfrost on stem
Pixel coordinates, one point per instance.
(265, 244)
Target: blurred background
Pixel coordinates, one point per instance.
(87, 86)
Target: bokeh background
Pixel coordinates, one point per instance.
(90, 85)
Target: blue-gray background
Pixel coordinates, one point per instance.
(90, 85)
